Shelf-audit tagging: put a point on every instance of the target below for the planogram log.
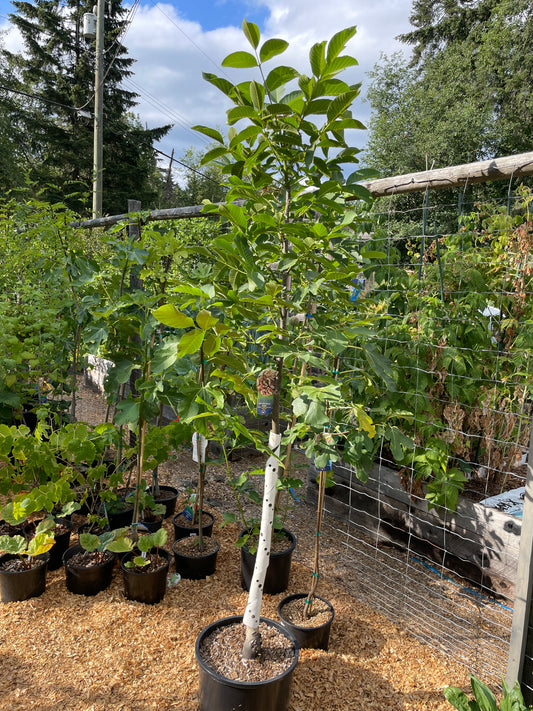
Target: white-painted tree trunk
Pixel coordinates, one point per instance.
(252, 613)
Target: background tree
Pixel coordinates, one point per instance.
(197, 182)
(464, 95)
(58, 65)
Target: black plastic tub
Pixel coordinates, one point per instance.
(144, 587)
(308, 637)
(168, 495)
(17, 585)
(217, 693)
(279, 566)
(87, 580)
(195, 567)
(185, 531)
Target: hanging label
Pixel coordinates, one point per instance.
(188, 512)
(264, 404)
(199, 447)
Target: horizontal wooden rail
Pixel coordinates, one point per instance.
(454, 176)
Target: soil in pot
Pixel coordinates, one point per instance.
(279, 566)
(184, 528)
(18, 582)
(312, 632)
(168, 495)
(227, 682)
(147, 584)
(87, 573)
(7, 529)
(192, 563)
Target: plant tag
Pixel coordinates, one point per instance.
(173, 579)
(199, 447)
(188, 513)
(329, 466)
(264, 404)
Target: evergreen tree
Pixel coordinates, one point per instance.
(58, 65)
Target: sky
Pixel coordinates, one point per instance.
(174, 41)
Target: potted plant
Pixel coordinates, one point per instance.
(89, 565)
(145, 568)
(24, 562)
(282, 276)
(308, 616)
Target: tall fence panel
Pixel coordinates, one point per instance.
(454, 288)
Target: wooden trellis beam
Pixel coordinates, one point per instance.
(454, 176)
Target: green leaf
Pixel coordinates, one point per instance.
(211, 344)
(121, 371)
(165, 355)
(224, 85)
(271, 48)
(170, 316)
(191, 341)
(89, 542)
(338, 42)
(483, 695)
(317, 58)
(340, 104)
(279, 77)
(127, 413)
(251, 32)
(246, 134)
(213, 154)
(15, 545)
(205, 320)
(458, 699)
(257, 95)
(239, 112)
(240, 60)
(211, 132)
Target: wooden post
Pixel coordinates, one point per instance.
(135, 283)
(520, 662)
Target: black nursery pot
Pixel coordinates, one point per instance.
(145, 587)
(118, 519)
(308, 637)
(195, 567)
(62, 542)
(185, 531)
(168, 495)
(218, 692)
(23, 584)
(279, 567)
(87, 581)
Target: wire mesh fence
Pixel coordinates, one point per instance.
(441, 510)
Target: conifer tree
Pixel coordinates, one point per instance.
(57, 65)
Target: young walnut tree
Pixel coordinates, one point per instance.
(289, 257)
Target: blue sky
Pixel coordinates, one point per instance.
(174, 41)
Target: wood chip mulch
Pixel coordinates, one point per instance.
(106, 653)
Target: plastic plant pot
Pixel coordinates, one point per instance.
(279, 566)
(147, 587)
(83, 580)
(195, 567)
(181, 531)
(308, 637)
(17, 585)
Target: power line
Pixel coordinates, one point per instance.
(42, 98)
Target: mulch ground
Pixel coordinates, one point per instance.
(106, 653)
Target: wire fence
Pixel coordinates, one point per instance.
(454, 289)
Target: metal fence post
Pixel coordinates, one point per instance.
(520, 663)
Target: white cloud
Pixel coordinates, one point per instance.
(172, 53)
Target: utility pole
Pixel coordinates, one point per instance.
(98, 112)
